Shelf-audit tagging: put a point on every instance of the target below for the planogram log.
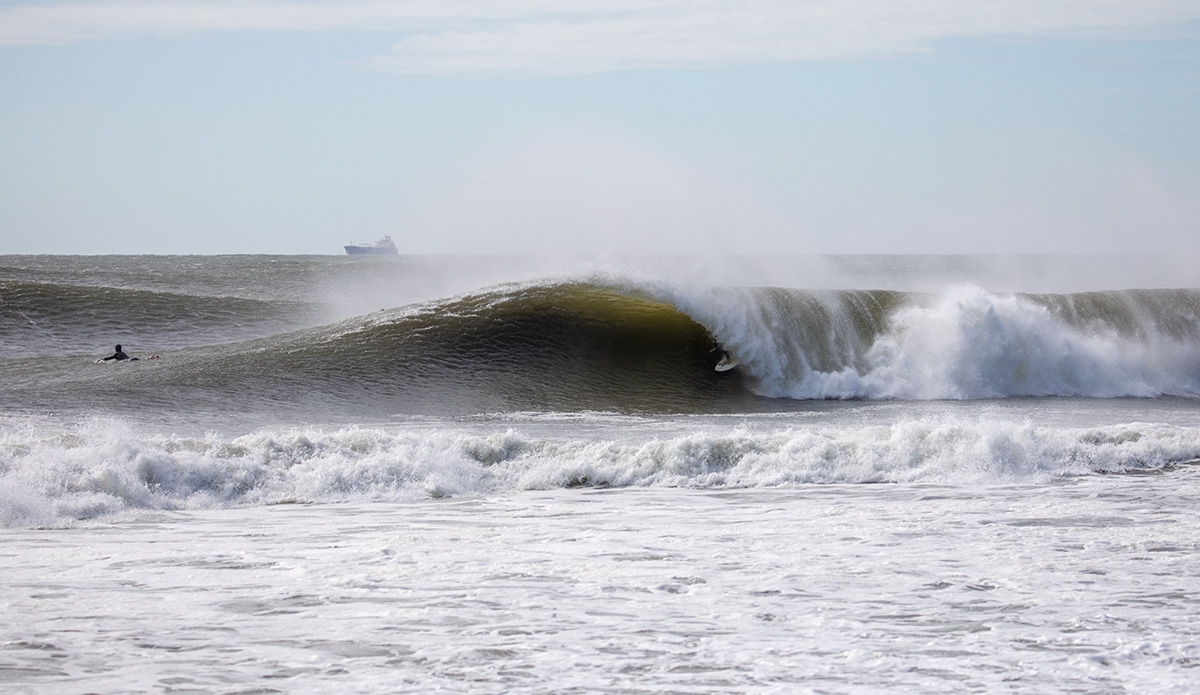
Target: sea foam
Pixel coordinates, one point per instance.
(105, 467)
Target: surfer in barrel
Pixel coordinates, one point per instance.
(725, 361)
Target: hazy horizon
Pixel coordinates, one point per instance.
(179, 127)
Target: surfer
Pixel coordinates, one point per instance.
(726, 360)
(119, 356)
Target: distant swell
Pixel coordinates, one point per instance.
(47, 318)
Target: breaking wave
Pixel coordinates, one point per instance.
(963, 344)
(103, 467)
(607, 345)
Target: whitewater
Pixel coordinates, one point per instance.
(504, 474)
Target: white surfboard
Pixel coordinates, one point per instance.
(726, 364)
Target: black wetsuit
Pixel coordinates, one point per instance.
(119, 356)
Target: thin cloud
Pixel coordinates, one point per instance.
(545, 37)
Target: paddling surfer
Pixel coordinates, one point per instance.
(120, 356)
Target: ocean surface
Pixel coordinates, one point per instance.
(935, 474)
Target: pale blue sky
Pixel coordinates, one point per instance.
(656, 126)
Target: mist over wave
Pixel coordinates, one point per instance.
(103, 467)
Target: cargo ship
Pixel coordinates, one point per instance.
(383, 247)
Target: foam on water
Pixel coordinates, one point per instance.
(1084, 586)
(102, 467)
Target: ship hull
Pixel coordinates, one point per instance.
(370, 251)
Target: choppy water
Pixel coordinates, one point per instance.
(939, 474)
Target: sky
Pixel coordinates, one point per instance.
(614, 127)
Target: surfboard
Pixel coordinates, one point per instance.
(726, 364)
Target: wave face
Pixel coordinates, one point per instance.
(103, 467)
(558, 347)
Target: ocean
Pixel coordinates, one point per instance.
(506, 474)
